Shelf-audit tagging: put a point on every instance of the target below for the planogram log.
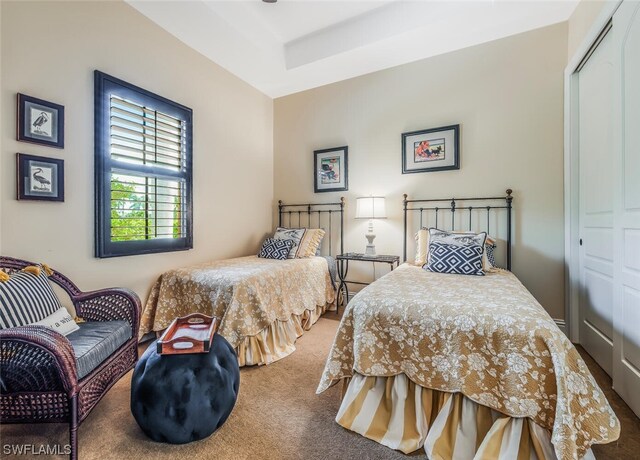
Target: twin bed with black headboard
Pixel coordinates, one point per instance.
(471, 214)
(463, 365)
(323, 214)
(264, 304)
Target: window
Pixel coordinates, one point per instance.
(143, 147)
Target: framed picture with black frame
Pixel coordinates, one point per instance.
(331, 169)
(40, 122)
(429, 150)
(40, 178)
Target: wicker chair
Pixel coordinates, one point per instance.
(38, 366)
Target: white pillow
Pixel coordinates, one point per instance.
(294, 234)
(60, 321)
(422, 246)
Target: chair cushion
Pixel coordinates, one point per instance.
(96, 341)
(26, 298)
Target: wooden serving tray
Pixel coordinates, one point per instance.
(188, 334)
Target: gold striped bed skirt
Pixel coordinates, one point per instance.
(399, 414)
(278, 340)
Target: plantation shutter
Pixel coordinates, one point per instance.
(145, 171)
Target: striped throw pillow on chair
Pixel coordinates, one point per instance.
(26, 297)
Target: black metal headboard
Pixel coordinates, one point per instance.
(314, 209)
(485, 205)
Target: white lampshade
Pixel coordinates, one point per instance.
(371, 207)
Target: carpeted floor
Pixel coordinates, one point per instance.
(278, 416)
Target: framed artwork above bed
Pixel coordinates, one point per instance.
(330, 170)
(429, 150)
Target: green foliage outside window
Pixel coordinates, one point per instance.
(127, 213)
(128, 220)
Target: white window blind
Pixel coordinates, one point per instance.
(141, 135)
(146, 206)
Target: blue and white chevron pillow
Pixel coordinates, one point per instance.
(273, 248)
(455, 259)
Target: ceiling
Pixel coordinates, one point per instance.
(293, 45)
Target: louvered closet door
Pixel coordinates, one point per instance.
(626, 357)
(596, 203)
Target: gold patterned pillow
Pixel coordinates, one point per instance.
(422, 246)
(310, 242)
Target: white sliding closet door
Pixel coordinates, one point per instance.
(626, 356)
(595, 84)
(604, 141)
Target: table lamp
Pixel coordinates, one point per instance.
(370, 207)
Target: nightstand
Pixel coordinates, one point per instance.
(343, 269)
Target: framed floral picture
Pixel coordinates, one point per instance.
(40, 122)
(331, 169)
(429, 150)
(40, 178)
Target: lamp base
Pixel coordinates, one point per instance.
(371, 248)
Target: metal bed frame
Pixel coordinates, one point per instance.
(431, 206)
(319, 209)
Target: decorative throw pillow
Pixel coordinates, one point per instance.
(275, 249)
(60, 321)
(319, 248)
(26, 297)
(310, 243)
(294, 234)
(459, 239)
(456, 237)
(454, 258)
(491, 257)
(422, 246)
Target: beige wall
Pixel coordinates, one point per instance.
(507, 96)
(581, 22)
(50, 50)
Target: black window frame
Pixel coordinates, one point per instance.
(104, 86)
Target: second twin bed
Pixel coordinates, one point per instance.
(464, 366)
(264, 304)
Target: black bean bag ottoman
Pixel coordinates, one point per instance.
(184, 398)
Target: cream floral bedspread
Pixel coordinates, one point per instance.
(248, 293)
(483, 336)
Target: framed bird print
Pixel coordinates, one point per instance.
(40, 122)
(40, 178)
